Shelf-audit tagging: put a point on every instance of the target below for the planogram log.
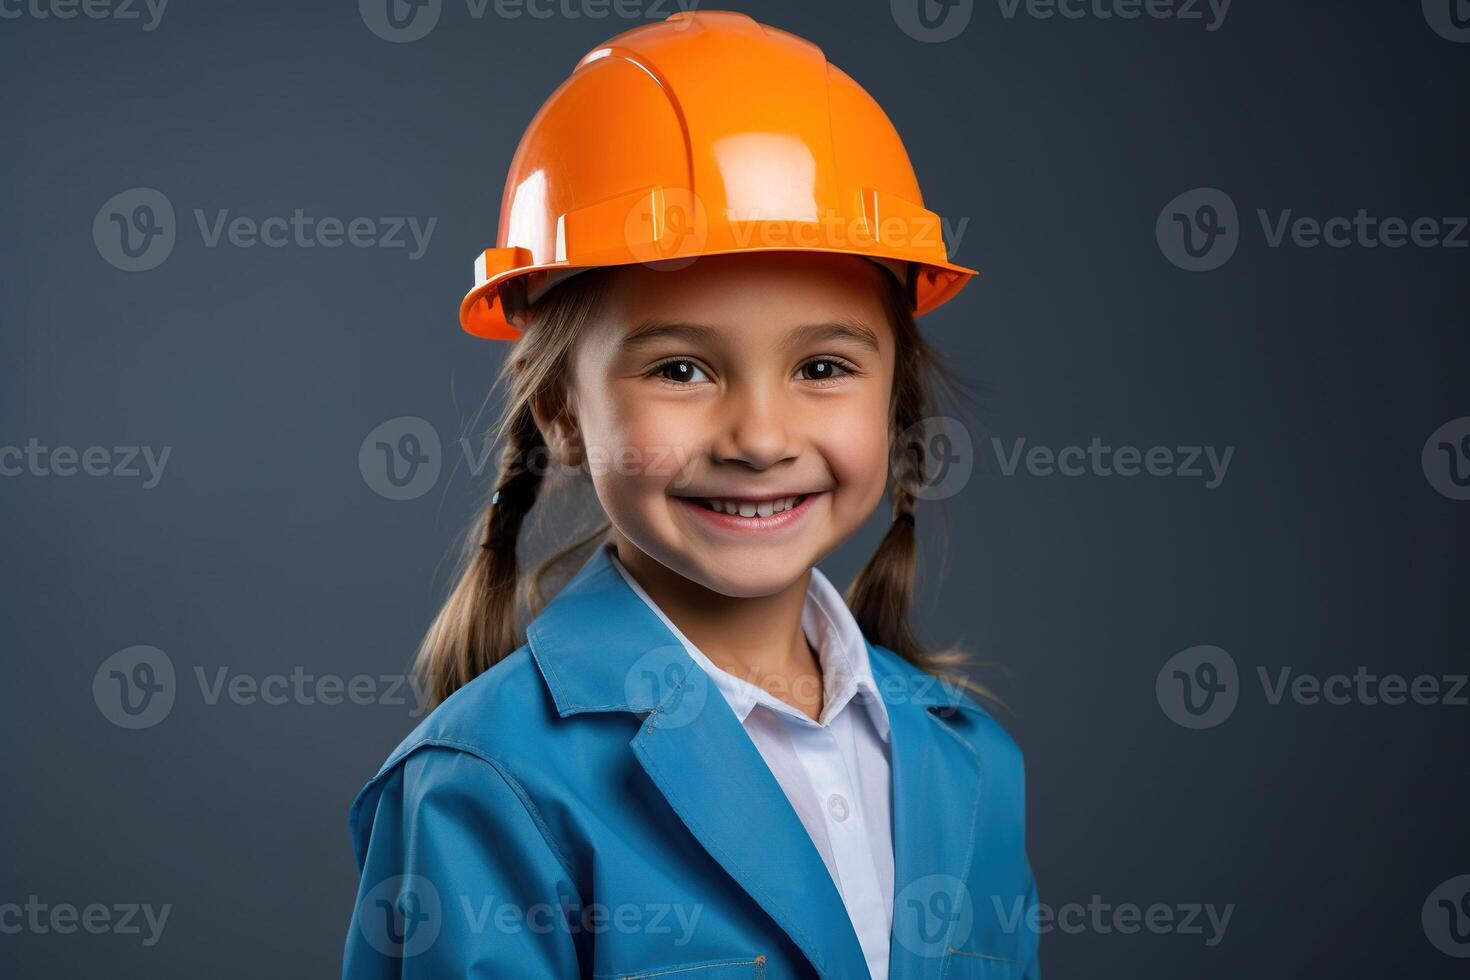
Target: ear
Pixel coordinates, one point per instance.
(556, 419)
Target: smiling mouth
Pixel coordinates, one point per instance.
(750, 507)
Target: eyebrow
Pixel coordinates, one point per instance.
(652, 330)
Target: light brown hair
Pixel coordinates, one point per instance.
(477, 626)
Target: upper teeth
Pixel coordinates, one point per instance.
(750, 508)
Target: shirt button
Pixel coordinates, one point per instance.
(837, 806)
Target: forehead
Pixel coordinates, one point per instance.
(762, 295)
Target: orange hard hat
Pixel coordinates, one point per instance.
(706, 134)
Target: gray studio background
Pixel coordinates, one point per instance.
(1061, 148)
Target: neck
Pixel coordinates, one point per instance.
(755, 638)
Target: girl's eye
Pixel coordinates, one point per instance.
(682, 371)
(829, 369)
(678, 370)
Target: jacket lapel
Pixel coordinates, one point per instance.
(717, 782)
(937, 786)
(600, 648)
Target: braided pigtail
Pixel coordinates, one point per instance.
(478, 625)
(882, 592)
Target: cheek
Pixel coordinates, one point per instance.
(857, 452)
(638, 446)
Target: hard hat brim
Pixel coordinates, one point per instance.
(481, 315)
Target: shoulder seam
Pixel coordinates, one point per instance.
(510, 780)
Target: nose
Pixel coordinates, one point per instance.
(758, 426)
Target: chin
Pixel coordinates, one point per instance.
(746, 572)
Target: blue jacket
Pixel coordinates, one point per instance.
(591, 807)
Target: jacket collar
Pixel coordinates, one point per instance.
(601, 648)
(830, 629)
(598, 612)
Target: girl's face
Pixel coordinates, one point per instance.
(741, 381)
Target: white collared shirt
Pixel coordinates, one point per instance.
(834, 771)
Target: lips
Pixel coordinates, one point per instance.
(751, 506)
(750, 514)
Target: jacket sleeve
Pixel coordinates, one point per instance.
(458, 877)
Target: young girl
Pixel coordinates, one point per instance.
(699, 760)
